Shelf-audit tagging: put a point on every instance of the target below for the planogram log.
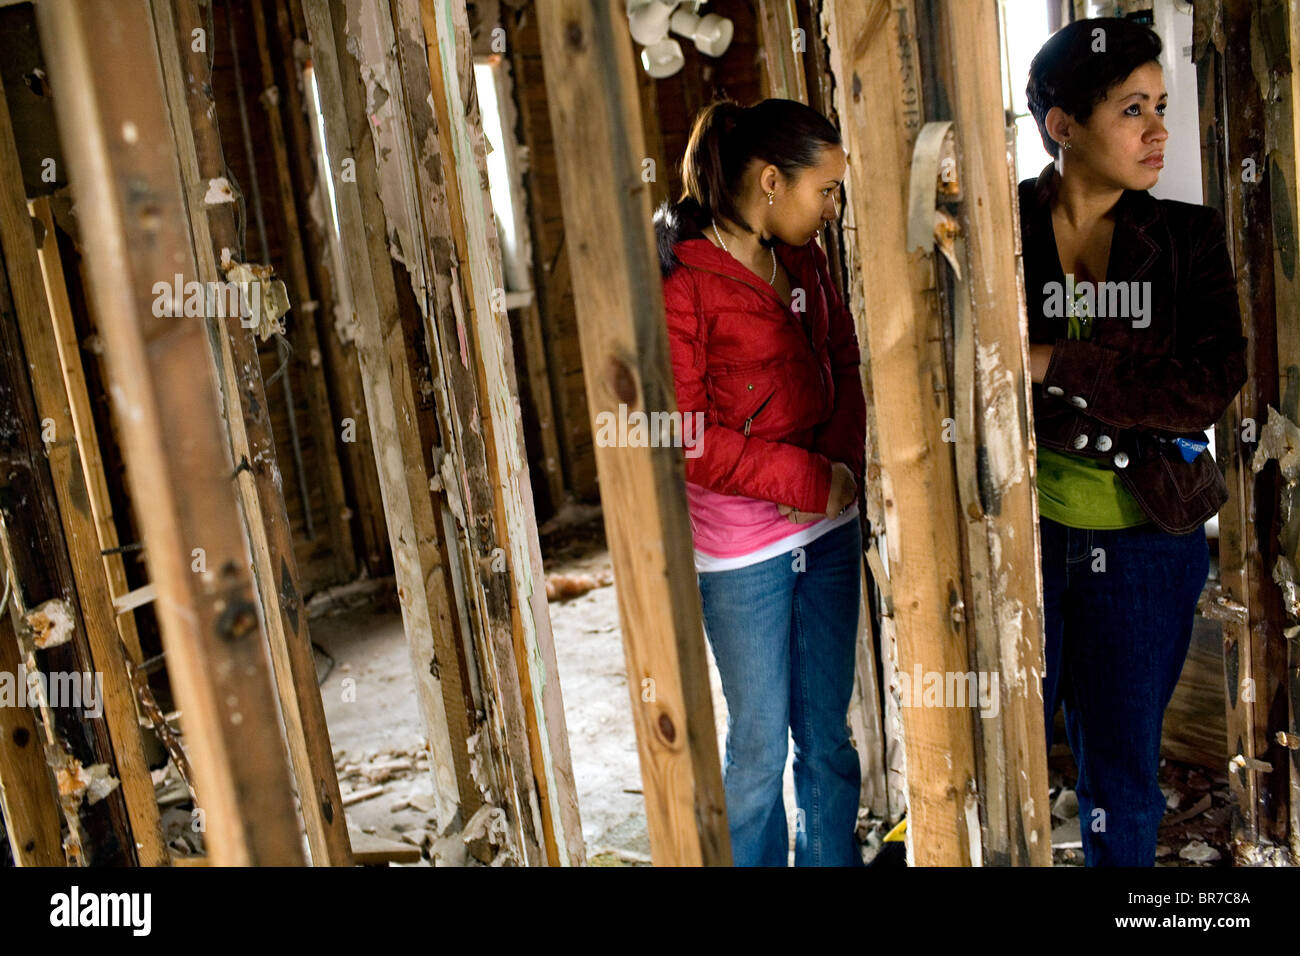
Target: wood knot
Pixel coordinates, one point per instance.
(326, 804)
(621, 381)
(236, 620)
(573, 35)
(666, 728)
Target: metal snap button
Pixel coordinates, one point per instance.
(1103, 443)
(1121, 460)
(1078, 401)
(1055, 390)
(1080, 441)
(750, 387)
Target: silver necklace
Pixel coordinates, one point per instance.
(771, 281)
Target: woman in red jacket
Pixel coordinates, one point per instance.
(764, 348)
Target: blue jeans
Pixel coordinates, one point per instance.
(784, 639)
(1118, 610)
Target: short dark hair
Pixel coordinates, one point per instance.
(726, 136)
(1070, 72)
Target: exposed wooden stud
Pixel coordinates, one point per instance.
(782, 60)
(875, 734)
(874, 46)
(329, 278)
(994, 449)
(426, 601)
(305, 332)
(1275, 39)
(74, 380)
(842, 245)
(1241, 180)
(552, 288)
(531, 655)
(594, 107)
(38, 575)
(1235, 570)
(1261, 52)
(27, 795)
(61, 442)
(528, 315)
(186, 74)
(131, 204)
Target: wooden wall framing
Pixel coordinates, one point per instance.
(588, 55)
(134, 230)
(1246, 56)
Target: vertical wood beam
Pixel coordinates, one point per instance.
(342, 369)
(1242, 177)
(107, 652)
(130, 201)
(784, 74)
(391, 407)
(528, 316)
(306, 334)
(187, 76)
(874, 734)
(392, 73)
(27, 796)
(594, 107)
(1001, 514)
(83, 420)
(38, 571)
(551, 271)
(530, 654)
(881, 116)
(1275, 32)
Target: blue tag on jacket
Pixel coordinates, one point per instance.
(1190, 448)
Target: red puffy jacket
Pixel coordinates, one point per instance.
(780, 388)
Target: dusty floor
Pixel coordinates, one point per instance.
(375, 726)
(376, 733)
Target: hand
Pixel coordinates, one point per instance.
(1040, 356)
(797, 516)
(844, 489)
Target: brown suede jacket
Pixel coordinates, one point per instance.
(1163, 367)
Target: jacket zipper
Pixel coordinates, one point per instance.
(750, 420)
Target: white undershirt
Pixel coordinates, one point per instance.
(705, 563)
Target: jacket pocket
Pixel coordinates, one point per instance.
(1188, 478)
(750, 420)
(1177, 496)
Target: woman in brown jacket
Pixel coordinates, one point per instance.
(1136, 350)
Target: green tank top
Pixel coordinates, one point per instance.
(1082, 492)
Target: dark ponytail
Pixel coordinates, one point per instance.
(726, 137)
